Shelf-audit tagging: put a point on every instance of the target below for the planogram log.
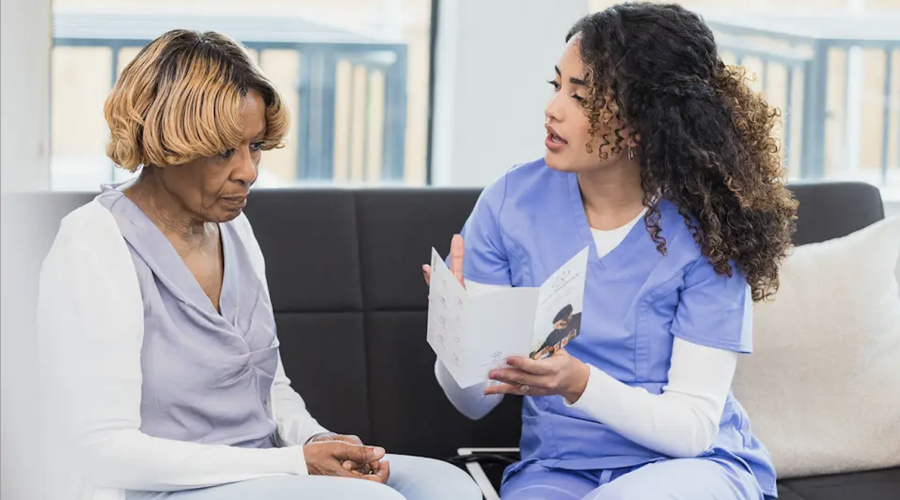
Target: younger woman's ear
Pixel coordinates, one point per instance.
(632, 139)
(635, 140)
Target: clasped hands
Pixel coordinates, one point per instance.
(346, 456)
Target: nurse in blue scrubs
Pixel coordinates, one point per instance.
(662, 160)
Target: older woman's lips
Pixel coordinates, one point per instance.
(235, 201)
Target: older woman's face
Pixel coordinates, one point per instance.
(215, 189)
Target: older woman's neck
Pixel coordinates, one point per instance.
(166, 211)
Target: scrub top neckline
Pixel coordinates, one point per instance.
(614, 257)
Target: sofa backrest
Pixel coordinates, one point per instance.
(344, 270)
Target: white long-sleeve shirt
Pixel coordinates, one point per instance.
(682, 421)
(91, 321)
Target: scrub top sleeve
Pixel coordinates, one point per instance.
(486, 260)
(715, 310)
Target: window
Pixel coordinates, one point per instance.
(354, 73)
(833, 68)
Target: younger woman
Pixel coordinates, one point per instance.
(662, 160)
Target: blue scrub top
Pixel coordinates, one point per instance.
(531, 221)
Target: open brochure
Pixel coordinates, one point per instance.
(474, 334)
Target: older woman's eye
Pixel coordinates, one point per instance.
(256, 146)
(227, 154)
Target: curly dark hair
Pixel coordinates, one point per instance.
(706, 139)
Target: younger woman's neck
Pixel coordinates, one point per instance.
(165, 210)
(613, 195)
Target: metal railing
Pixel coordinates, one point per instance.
(319, 50)
(803, 44)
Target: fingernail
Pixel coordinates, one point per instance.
(379, 451)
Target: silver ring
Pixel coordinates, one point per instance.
(524, 388)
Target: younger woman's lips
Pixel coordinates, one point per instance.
(554, 143)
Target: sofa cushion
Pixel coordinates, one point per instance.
(310, 345)
(397, 228)
(309, 240)
(821, 385)
(871, 485)
(830, 210)
(410, 414)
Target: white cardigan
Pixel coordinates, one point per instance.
(91, 326)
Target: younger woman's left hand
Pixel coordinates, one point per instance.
(560, 374)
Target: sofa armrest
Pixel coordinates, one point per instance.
(473, 458)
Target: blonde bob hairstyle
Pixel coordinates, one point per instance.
(179, 101)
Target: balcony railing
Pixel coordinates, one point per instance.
(805, 45)
(319, 51)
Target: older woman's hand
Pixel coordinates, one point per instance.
(329, 458)
(346, 438)
(559, 374)
(377, 470)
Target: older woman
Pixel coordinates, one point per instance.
(157, 326)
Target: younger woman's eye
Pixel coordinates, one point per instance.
(555, 84)
(577, 97)
(256, 146)
(227, 154)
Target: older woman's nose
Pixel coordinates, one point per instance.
(246, 169)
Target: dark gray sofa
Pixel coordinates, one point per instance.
(350, 303)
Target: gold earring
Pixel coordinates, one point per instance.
(630, 153)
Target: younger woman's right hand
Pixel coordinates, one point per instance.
(457, 253)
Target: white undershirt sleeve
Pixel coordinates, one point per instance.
(683, 420)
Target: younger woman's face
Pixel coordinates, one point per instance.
(568, 127)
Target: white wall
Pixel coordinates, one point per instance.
(493, 61)
(24, 94)
(24, 166)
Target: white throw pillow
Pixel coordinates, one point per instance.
(822, 387)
